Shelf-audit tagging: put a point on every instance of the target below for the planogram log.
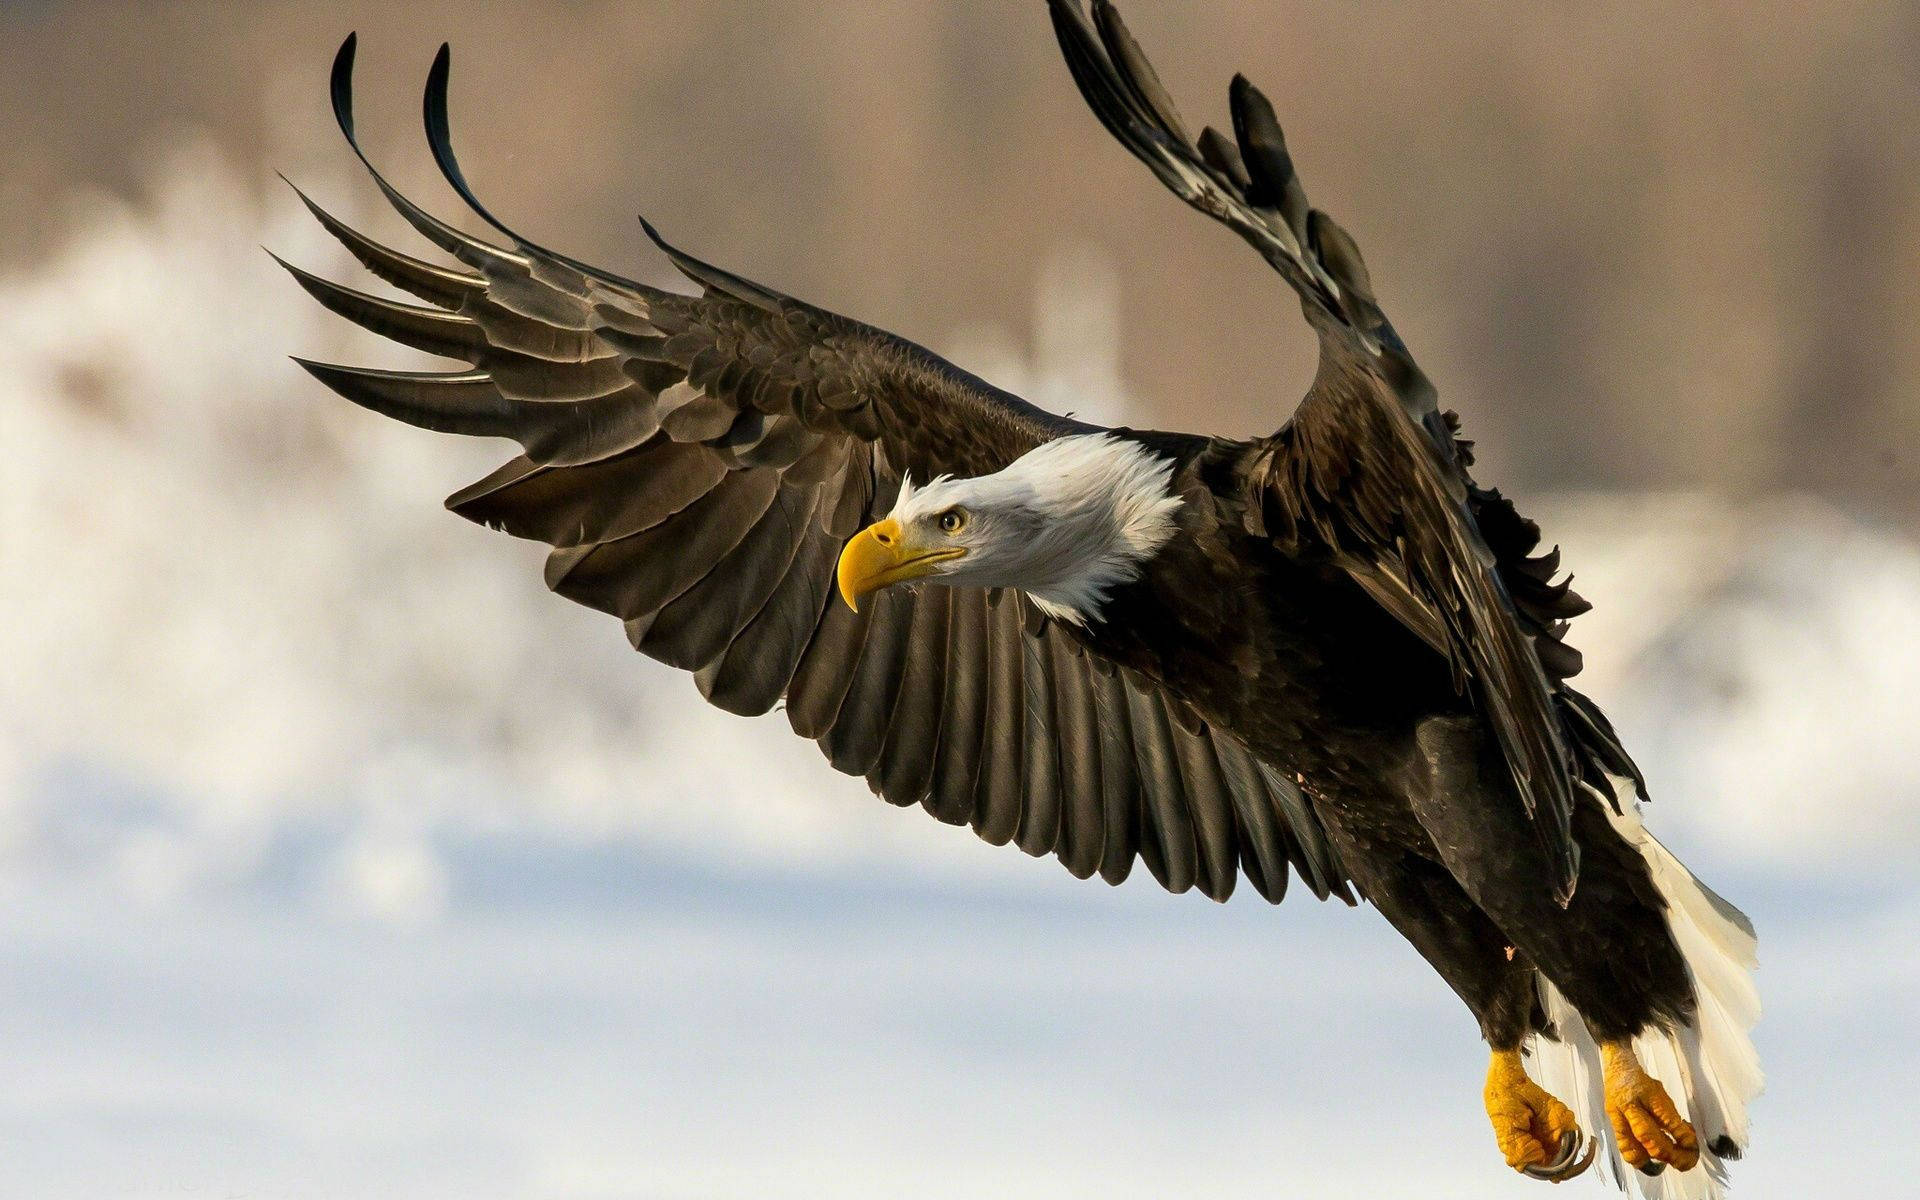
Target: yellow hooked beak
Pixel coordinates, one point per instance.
(879, 556)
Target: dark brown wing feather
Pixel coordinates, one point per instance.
(1369, 469)
(697, 462)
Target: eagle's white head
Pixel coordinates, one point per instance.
(1064, 523)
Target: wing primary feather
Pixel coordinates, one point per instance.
(1039, 830)
(1340, 255)
(435, 284)
(464, 402)
(636, 576)
(1263, 840)
(905, 772)
(697, 626)
(1087, 63)
(1211, 811)
(470, 250)
(860, 728)
(1166, 834)
(433, 330)
(1315, 859)
(718, 279)
(1596, 733)
(1137, 73)
(594, 502)
(1263, 151)
(433, 105)
(1119, 778)
(997, 801)
(956, 769)
(472, 403)
(1076, 732)
(1220, 153)
(825, 670)
(758, 668)
(1146, 838)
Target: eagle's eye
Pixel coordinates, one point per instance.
(952, 521)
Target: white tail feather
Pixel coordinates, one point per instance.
(1709, 1066)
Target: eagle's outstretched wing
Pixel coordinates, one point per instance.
(697, 463)
(1369, 469)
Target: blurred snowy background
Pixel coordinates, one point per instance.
(339, 858)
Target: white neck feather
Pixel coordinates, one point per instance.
(1067, 521)
(1121, 513)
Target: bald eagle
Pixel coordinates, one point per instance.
(1328, 653)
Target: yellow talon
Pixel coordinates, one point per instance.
(1647, 1127)
(1537, 1134)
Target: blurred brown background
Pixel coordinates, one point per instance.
(1636, 244)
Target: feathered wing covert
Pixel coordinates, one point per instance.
(697, 462)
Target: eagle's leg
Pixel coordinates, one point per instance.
(1650, 1131)
(1538, 1135)
(1535, 1131)
(1610, 952)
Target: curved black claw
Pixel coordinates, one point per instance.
(1651, 1168)
(1569, 1146)
(1570, 1162)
